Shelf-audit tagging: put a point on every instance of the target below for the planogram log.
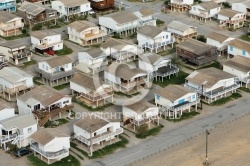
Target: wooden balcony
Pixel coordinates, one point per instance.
(184, 37)
(95, 96)
(131, 84)
(92, 36)
(15, 90)
(12, 27)
(45, 46)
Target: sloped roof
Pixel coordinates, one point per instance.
(152, 58)
(95, 52)
(122, 17)
(173, 92)
(217, 37)
(80, 26)
(241, 44)
(44, 94)
(84, 81)
(208, 5)
(19, 121)
(74, 3)
(58, 61)
(14, 44)
(228, 13)
(13, 74)
(6, 16)
(150, 31)
(43, 33)
(177, 25)
(33, 8)
(114, 43)
(124, 71)
(240, 63)
(140, 106)
(195, 46)
(93, 123)
(208, 76)
(44, 135)
(246, 3)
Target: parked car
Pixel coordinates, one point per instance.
(50, 52)
(22, 152)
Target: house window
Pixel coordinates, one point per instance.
(43, 66)
(193, 96)
(166, 36)
(29, 106)
(194, 8)
(30, 130)
(47, 68)
(231, 48)
(60, 7)
(65, 102)
(158, 97)
(66, 66)
(51, 14)
(243, 52)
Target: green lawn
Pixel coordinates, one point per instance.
(214, 64)
(159, 22)
(245, 89)
(184, 116)
(245, 37)
(54, 26)
(105, 150)
(37, 82)
(62, 86)
(150, 132)
(29, 63)
(226, 99)
(180, 79)
(68, 161)
(65, 51)
(16, 37)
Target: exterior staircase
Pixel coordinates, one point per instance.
(45, 116)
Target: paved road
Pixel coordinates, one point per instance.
(167, 139)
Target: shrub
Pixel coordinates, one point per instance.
(37, 27)
(202, 38)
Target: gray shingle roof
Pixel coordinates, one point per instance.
(19, 121)
(217, 37)
(13, 74)
(240, 63)
(44, 94)
(93, 122)
(95, 52)
(209, 5)
(122, 17)
(209, 76)
(6, 16)
(241, 44)
(177, 25)
(80, 26)
(153, 58)
(150, 31)
(44, 135)
(140, 106)
(228, 13)
(33, 8)
(43, 33)
(74, 3)
(173, 92)
(58, 61)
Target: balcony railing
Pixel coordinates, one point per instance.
(200, 14)
(158, 44)
(92, 36)
(54, 76)
(185, 36)
(99, 138)
(183, 106)
(132, 84)
(48, 155)
(6, 138)
(139, 122)
(12, 27)
(14, 90)
(21, 55)
(98, 95)
(223, 22)
(212, 94)
(71, 12)
(44, 46)
(168, 73)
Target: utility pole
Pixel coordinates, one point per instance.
(90, 147)
(201, 94)
(207, 133)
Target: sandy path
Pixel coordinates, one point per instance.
(229, 145)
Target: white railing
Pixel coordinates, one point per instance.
(98, 64)
(5, 139)
(99, 138)
(143, 120)
(46, 45)
(11, 27)
(184, 106)
(212, 95)
(49, 155)
(158, 44)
